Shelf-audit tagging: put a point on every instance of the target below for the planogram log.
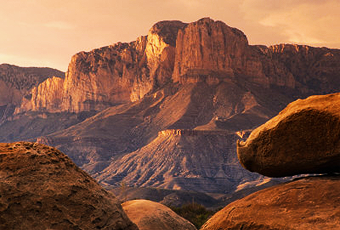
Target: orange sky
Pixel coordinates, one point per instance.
(49, 32)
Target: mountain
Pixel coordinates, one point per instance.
(16, 84)
(166, 110)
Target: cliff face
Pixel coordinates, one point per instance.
(105, 76)
(161, 49)
(315, 70)
(203, 51)
(111, 75)
(208, 45)
(16, 82)
(47, 96)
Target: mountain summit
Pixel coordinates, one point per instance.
(166, 110)
(206, 50)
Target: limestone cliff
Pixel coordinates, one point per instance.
(106, 76)
(16, 84)
(210, 46)
(47, 96)
(315, 70)
(161, 49)
(175, 52)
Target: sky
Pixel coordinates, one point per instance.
(48, 32)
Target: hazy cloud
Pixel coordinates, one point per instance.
(59, 25)
(308, 22)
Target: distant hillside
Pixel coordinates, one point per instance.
(16, 84)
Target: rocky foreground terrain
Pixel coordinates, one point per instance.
(41, 188)
(152, 215)
(165, 110)
(303, 138)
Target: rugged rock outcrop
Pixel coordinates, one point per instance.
(308, 203)
(47, 96)
(201, 161)
(151, 215)
(41, 188)
(161, 50)
(315, 70)
(112, 75)
(209, 46)
(303, 138)
(106, 76)
(203, 51)
(16, 82)
(212, 51)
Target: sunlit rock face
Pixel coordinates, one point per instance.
(161, 49)
(41, 188)
(16, 82)
(210, 46)
(104, 77)
(303, 138)
(147, 215)
(175, 52)
(314, 69)
(308, 203)
(46, 96)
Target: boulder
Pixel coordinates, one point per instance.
(303, 138)
(41, 188)
(152, 215)
(308, 203)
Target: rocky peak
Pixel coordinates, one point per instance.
(167, 30)
(106, 76)
(160, 49)
(209, 45)
(203, 51)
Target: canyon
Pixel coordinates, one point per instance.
(165, 111)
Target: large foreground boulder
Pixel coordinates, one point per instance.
(303, 138)
(309, 203)
(152, 215)
(41, 188)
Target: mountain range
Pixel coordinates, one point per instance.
(164, 111)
